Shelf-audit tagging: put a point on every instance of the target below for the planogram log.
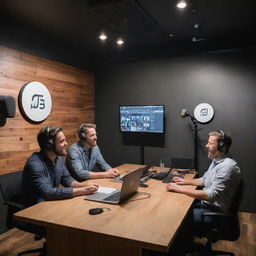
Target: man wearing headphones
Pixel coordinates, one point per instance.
(45, 171)
(219, 182)
(84, 155)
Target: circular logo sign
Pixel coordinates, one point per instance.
(204, 113)
(35, 101)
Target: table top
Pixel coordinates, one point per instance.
(149, 222)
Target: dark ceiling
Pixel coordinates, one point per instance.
(145, 25)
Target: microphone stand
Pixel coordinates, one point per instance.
(142, 148)
(195, 129)
(184, 113)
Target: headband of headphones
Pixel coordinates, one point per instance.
(222, 133)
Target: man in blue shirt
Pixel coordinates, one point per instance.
(220, 182)
(45, 171)
(85, 155)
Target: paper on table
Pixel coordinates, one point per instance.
(105, 190)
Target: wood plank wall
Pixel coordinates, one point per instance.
(72, 92)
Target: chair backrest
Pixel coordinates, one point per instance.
(229, 229)
(237, 199)
(10, 185)
(234, 231)
(10, 188)
(182, 163)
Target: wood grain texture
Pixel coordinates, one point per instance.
(15, 240)
(72, 92)
(246, 244)
(141, 222)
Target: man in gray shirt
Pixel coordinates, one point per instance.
(220, 182)
(84, 155)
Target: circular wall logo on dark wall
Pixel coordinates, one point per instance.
(204, 113)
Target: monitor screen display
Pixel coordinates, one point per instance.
(147, 118)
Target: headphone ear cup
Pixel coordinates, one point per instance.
(49, 145)
(82, 136)
(81, 133)
(221, 147)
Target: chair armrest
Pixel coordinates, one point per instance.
(217, 214)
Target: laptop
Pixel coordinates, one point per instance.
(129, 187)
(144, 173)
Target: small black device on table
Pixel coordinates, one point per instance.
(166, 177)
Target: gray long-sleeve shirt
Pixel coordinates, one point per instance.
(80, 164)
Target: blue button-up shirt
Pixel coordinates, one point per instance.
(221, 181)
(81, 162)
(41, 179)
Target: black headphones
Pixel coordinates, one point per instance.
(81, 133)
(49, 134)
(222, 147)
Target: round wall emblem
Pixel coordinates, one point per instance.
(204, 113)
(35, 102)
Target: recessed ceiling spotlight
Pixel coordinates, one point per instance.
(171, 35)
(196, 26)
(197, 39)
(120, 41)
(181, 4)
(103, 36)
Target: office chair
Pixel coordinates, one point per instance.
(10, 186)
(226, 226)
(182, 163)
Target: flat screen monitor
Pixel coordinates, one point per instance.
(142, 118)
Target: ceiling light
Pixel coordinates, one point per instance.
(196, 26)
(120, 41)
(181, 4)
(103, 37)
(197, 39)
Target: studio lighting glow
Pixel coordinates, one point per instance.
(120, 41)
(181, 4)
(103, 37)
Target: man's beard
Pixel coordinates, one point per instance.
(60, 153)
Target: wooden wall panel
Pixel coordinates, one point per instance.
(72, 91)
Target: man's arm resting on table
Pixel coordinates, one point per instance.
(80, 189)
(110, 173)
(197, 194)
(194, 182)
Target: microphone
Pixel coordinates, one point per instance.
(184, 113)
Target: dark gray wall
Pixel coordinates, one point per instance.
(226, 80)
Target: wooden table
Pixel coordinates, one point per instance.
(147, 223)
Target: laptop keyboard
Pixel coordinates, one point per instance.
(113, 197)
(170, 176)
(144, 174)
